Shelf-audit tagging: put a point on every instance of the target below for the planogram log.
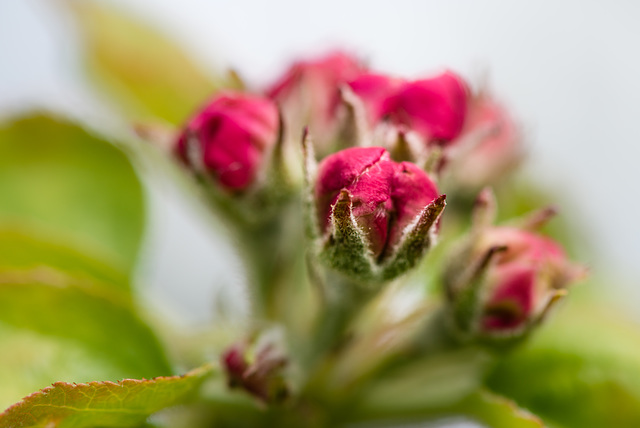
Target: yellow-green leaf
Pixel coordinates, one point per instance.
(57, 177)
(30, 361)
(98, 318)
(21, 248)
(137, 66)
(440, 386)
(495, 411)
(581, 371)
(433, 382)
(106, 404)
(482, 406)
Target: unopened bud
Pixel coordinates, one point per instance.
(258, 370)
(503, 280)
(228, 139)
(309, 96)
(376, 216)
(435, 108)
(487, 149)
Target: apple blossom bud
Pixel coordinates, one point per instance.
(435, 108)
(504, 279)
(522, 279)
(376, 216)
(259, 375)
(309, 95)
(227, 140)
(373, 89)
(488, 147)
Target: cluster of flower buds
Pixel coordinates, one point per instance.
(375, 207)
(377, 153)
(412, 119)
(231, 140)
(503, 280)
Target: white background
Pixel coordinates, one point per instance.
(568, 69)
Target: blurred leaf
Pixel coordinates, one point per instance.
(30, 361)
(481, 406)
(107, 404)
(145, 72)
(432, 382)
(55, 304)
(495, 411)
(582, 370)
(58, 177)
(23, 250)
(443, 385)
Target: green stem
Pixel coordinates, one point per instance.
(264, 262)
(273, 258)
(343, 304)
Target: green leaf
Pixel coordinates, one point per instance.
(55, 304)
(107, 404)
(582, 370)
(23, 249)
(136, 65)
(57, 177)
(431, 383)
(495, 411)
(439, 386)
(481, 406)
(30, 361)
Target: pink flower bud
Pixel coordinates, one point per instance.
(492, 144)
(309, 93)
(411, 192)
(435, 108)
(502, 280)
(260, 376)
(522, 279)
(231, 135)
(373, 90)
(385, 196)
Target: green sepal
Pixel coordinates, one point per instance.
(346, 248)
(415, 242)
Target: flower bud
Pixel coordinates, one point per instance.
(373, 89)
(228, 139)
(309, 95)
(523, 277)
(435, 108)
(488, 146)
(376, 216)
(259, 375)
(504, 279)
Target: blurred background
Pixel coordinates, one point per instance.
(567, 69)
